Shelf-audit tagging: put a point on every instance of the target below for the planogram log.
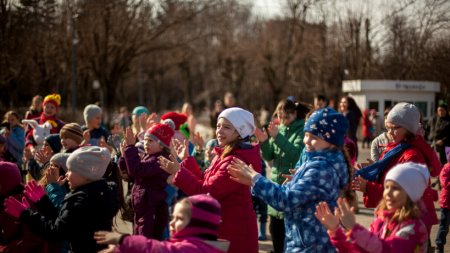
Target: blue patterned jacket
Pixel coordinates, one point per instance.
(319, 178)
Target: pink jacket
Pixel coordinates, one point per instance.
(238, 218)
(444, 177)
(140, 244)
(383, 237)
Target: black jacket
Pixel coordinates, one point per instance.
(87, 209)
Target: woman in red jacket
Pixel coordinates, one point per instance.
(234, 128)
(402, 123)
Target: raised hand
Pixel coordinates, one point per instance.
(86, 137)
(326, 217)
(261, 134)
(171, 166)
(151, 121)
(359, 184)
(123, 145)
(241, 172)
(42, 157)
(272, 129)
(106, 237)
(197, 139)
(181, 148)
(33, 191)
(130, 138)
(14, 208)
(345, 214)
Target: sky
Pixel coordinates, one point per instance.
(267, 8)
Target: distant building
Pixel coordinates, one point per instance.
(380, 94)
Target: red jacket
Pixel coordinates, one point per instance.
(418, 152)
(238, 218)
(444, 177)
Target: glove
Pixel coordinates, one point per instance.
(14, 208)
(33, 191)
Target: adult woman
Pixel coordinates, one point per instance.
(402, 124)
(283, 147)
(35, 108)
(351, 111)
(234, 127)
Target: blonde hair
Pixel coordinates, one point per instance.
(409, 211)
(187, 207)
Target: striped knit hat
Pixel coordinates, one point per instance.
(205, 218)
(72, 131)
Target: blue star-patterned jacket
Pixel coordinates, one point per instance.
(319, 178)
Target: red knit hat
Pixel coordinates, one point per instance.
(55, 99)
(177, 118)
(161, 133)
(9, 177)
(205, 218)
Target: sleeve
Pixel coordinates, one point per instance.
(27, 242)
(191, 164)
(138, 168)
(374, 152)
(408, 238)
(56, 194)
(340, 242)
(373, 194)
(68, 222)
(139, 243)
(29, 139)
(444, 177)
(308, 187)
(267, 150)
(291, 149)
(218, 185)
(16, 141)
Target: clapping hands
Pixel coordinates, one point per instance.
(342, 214)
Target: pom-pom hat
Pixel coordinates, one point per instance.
(161, 133)
(54, 99)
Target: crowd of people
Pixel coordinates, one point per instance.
(61, 183)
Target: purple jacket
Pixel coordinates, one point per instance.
(148, 193)
(140, 244)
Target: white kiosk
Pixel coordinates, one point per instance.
(380, 94)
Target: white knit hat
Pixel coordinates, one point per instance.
(89, 161)
(405, 115)
(412, 177)
(91, 111)
(243, 121)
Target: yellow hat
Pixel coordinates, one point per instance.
(53, 98)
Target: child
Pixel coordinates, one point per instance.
(194, 226)
(148, 195)
(444, 202)
(321, 177)
(93, 125)
(54, 181)
(71, 137)
(397, 227)
(15, 237)
(89, 207)
(235, 126)
(15, 137)
(35, 166)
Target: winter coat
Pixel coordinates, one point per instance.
(138, 244)
(439, 129)
(56, 194)
(320, 178)
(383, 237)
(378, 145)
(238, 225)
(85, 210)
(96, 134)
(148, 193)
(15, 144)
(444, 177)
(284, 150)
(418, 152)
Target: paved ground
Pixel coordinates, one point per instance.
(364, 217)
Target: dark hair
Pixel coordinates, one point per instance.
(323, 98)
(289, 106)
(352, 106)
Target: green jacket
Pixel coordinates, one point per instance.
(284, 150)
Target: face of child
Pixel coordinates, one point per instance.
(394, 196)
(68, 143)
(151, 146)
(286, 118)
(96, 121)
(225, 132)
(49, 109)
(75, 180)
(314, 143)
(180, 218)
(396, 133)
(46, 148)
(209, 154)
(12, 120)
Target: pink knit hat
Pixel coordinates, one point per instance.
(205, 218)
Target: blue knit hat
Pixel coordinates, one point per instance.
(328, 125)
(140, 110)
